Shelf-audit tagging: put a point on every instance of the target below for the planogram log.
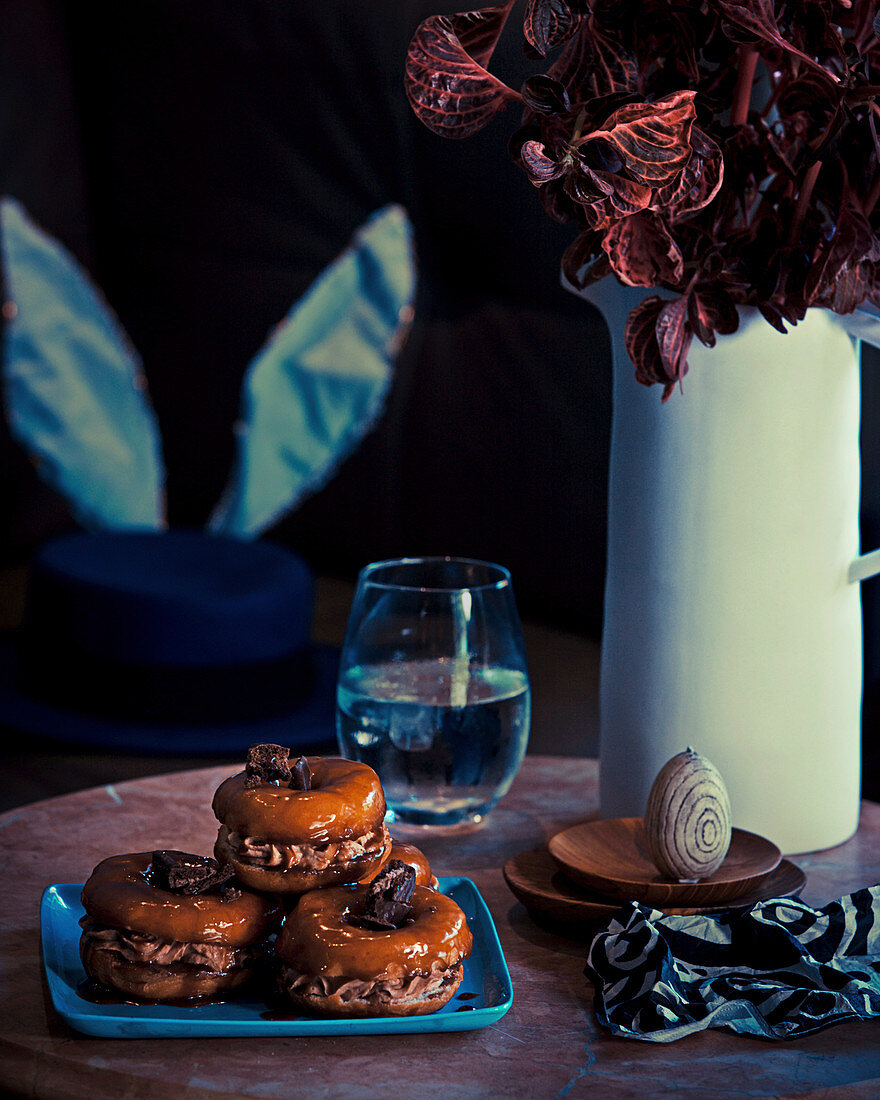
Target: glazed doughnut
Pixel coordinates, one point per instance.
(284, 840)
(328, 964)
(157, 944)
(414, 857)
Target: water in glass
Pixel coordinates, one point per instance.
(446, 737)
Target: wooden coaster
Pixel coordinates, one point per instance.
(611, 856)
(554, 900)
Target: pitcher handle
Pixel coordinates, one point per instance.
(864, 566)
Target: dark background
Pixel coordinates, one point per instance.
(206, 159)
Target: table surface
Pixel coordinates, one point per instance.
(548, 1045)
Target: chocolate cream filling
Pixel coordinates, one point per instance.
(258, 852)
(385, 990)
(139, 948)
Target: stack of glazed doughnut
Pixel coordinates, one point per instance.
(172, 926)
(366, 932)
(286, 831)
(387, 948)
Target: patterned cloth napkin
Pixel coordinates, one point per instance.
(778, 970)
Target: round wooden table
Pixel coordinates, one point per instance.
(547, 1045)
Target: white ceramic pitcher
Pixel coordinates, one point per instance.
(732, 608)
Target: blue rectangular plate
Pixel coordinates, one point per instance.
(483, 997)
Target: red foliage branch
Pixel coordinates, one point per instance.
(725, 150)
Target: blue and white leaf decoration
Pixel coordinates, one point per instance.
(75, 389)
(77, 399)
(319, 384)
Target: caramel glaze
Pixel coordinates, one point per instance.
(346, 801)
(411, 855)
(317, 938)
(118, 895)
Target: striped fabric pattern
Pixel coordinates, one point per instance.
(778, 970)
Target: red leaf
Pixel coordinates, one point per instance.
(640, 337)
(772, 316)
(652, 138)
(657, 339)
(710, 311)
(584, 262)
(539, 167)
(548, 23)
(606, 197)
(600, 63)
(851, 288)
(674, 337)
(843, 268)
(642, 251)
(698, 182)
(759, 18)
(445, 78)
(545, 96)
(478, 31)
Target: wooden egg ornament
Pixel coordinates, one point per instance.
(687, 818)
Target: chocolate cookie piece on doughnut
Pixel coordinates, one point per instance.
(415, 857)
(389, 948)
(170, 925)
(323, 826)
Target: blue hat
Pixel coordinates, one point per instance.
(145, 638)
(169, 642)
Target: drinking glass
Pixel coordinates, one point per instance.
(433, 688)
